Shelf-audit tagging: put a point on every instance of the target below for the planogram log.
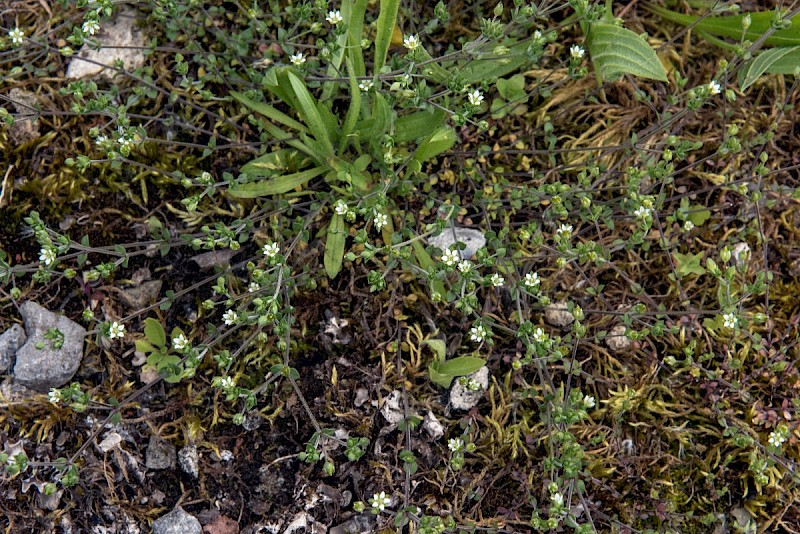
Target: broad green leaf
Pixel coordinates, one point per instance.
(781, 60)
(436, 143)
(731, 26)
(334, 246)
(616, 51)
(283, 161)
(311, 114)
(687, 264)
(512, 89)
(275, 186)
(154, 332)
(461, 366)
(698, 215)
(494, 66)
(438, 346)
(269, 112)
(355, 29)
(144, 346)
(438, 378)
(416, 125)
(386, 21)
(425, 261)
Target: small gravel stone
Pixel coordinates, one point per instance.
(48, 367)
(473, 239)
(10, 341)
(188, 460)
(160, 454)
(616, 339)
(392, 407)
(177, 522)
(464, 399)
(432, 426)
(556, 314)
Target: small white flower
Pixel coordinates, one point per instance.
(380, 220)
(270, 250)
(334, 17)
(341, 207)
(465, 266)
(116, 330)
(475, 97)
(180, 342)
(776, 438)
(714, 87)
(455, 444)
(539, 336)
(380, 501)
(91, 26)
(688, 225)
(537, 36)
(230, 317)
(16, 35)
(54, 396)
(497, 280)
(642, 212)
(253, 287)
(227, 383)
(47, 256)
(730, 320)
(557, 499)
(565, 230)
(365, 85)
(576, 52)
(477, 333)
(450, 257)
(532, 280)
(297, 59)
(100, 140)
(588, 401)
(411, 42)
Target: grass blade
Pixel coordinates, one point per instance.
(312, 114)
(386, 22)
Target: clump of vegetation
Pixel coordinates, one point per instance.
(249, 226)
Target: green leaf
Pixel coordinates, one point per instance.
(311, 114)
(438, 346)
(731, 26)
(698, 215)
(512, 89)
(426, 262)
(494, 66)
(436, 143)
(688, 264)
(154, 332)
(781, 60)
(275, 186)
(144, 346)
(386, 22)
(334, 246)
(416, 125)
(438, 378)
(616, 51)
(284, 161)
(270, 112)
(461, 366)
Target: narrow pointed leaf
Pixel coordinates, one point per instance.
(780, 60)
(386, 21)
(311, 113)
(616, 51)
(334, 246)
(461, 366)
(269, 112)
(439, 141)
(275, 186)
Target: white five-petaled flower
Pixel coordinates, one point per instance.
(297, 59)
(116, 330)
(465, 266)
(229, 317)
(270, 250)
(497, 280)
(47, 256)
(688, 225)
(365, 85)
(100, 140)
(16, 35)
(475, 97)
(565, 230)
(252, 287)
(532, 280)
(227, 383)
(477, 333)
(334, 17)
(411, 42)
(539, 336)
(537, 36)
(588, 401)
(380, 220)
(380, 501)
(576, 52)
(341, 207)
(54, 396)
(714, 87)
(180, 342)
(776, 438)
(450, 257)
(91, 26)
(455, 444)
(557, 499)
(730, 320)
(642, 212)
